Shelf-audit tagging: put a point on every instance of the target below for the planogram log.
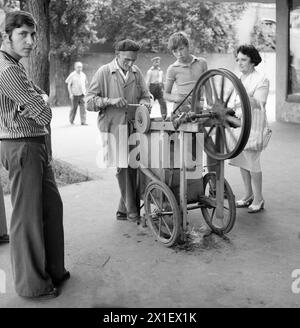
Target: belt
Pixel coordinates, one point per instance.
(39, 139)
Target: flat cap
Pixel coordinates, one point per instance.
(127, 45)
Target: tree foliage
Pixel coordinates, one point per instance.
(210, 25)
(72, 27)
(263, 37)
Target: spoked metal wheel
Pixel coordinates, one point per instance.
(220, 93)
(209, 202)
(162, 212)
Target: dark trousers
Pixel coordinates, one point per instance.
(36, 228)
(3, 225)
(78, 101)
(156, 91)
(127, 179)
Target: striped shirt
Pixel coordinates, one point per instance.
(18, 93)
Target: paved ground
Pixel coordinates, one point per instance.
(116, 264)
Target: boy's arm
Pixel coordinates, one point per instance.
(22, 92)
(170, 79)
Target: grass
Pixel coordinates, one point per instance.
(64, 173)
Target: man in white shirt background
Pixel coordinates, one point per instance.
(77, 85)
(154, 81)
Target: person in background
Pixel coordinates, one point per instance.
(257, 87)
(36, 226)
(154, 81)
(77, 85)
(4, 238)
(114, 87)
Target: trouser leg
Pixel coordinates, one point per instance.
(82, 110)
(3, 225)
(73, 110)
(53, 225)
(127, 179)
(25, 161)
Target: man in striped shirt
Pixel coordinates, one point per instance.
(36, 228)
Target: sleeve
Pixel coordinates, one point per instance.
(170, 75)
(262, 90)
(95, 98)
(145, 94)
(147, 79)
(69, 78)
(37, 88)
(24, 94)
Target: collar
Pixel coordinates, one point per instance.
(10, 57)
(158, 68)
(113, 66)
(177, 63)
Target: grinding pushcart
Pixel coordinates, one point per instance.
(219, 119)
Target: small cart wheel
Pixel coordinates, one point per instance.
(219, 226)
(227, 130)
(142, 119)
(162, 212)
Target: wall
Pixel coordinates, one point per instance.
(286, 110)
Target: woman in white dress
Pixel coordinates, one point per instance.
(257, 87)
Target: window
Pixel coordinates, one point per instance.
(294, 51)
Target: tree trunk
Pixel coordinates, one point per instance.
(38, 63)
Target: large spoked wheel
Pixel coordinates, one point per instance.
(217, 225)
(162, 212)
(220, 93)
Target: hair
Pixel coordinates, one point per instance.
(250, 51)
(16, 19)
(178, 39)
(127, 45)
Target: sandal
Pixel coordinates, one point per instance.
(121, 216)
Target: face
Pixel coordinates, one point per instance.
(126, 59)
(182, 53)
(156, 63)
(78, 67)
(244, 63)
(21, 42)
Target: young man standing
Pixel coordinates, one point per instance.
(36, 228)
(154, 81)
(77, 85)
(185, 72)
(113, 88)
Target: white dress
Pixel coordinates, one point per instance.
(255, 83)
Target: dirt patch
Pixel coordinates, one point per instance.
(64, 173)
(202, 239)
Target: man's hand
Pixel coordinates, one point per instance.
(118, 102)
(45, 97)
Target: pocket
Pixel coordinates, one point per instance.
(23, 155)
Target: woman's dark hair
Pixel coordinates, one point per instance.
(250, 51)
(127, 45)
(16, 19)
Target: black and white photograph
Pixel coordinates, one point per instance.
(149, 154)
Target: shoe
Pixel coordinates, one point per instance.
(244, 202)
(58, 283)
(256, 208)
(84, 124)
(121, 216)
(133, 217)
(47, 296)
(4, 239)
